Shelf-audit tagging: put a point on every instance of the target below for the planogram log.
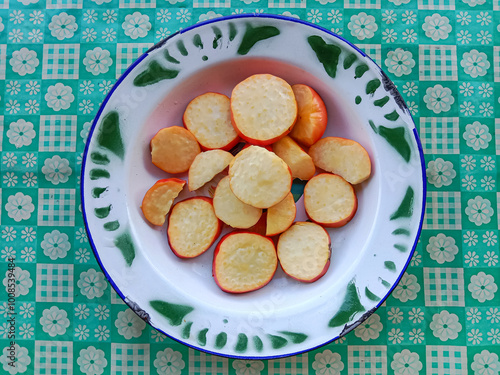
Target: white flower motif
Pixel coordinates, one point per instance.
(484, 37)
(479, 210)
(21, 133)
(36, 17)
(101, 333)
(485, 363)
(362, 26)
(82, 332)
(129, 324)
(136, 25)
(407, 288)
(494, 336)
(416, 336)
(493, 315)
(55, 244)
(27, 310)
(28, 254)
(406, 363)
(10, 179)
(409, 36)
(440, 172)
(395, 336)
(169, 362)
(325, 363)
(92, 284)
(445, 326)
(416, 259)
(32, 87)
(21, 361)
(63, 26)
(491, 259)
(486, 109)
(485, 90)
(483, 18)
(474, 315)
(409, 17)
(108, 35)
(399, 62)
(468, 162)
(22, 280)
(487, 183)
(32, 106)
(92, 361)
(97, 61)
(471, 259)
(2, 26)
(56, 169)
(438, 98)
(395, 315)
(163, 15)
(19, 207)
(370, 328)
(437, 27)
(16, 35)
(86, 106)
(335, 16)
(27, 331)
(54, 321)
(442, 248)
(482, 287)
(475, 63)
(30, 179)
(82, 311)
(475, 336)
(314, 16)
(59, 96)
(24, 61)
(82, 255)
(109, 16)
(101, 312)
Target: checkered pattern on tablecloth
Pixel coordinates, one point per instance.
(443, 210)
(53, 358)
(202, 363)
(440, 135)
(54, 282)
(442, 360)
(58, 133)
(61, 61)
(130, 359)
(56, 207)
(367, 360)
(444, 286)
(292, 365)
(438, 63)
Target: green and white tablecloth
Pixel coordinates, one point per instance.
(59, 58)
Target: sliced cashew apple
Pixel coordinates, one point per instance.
(208, 117)
(330, 200)
(158, 199)
(281, 216)
(295, 157)
(304, 251)
(342, 156)
(244, 262)
(312, 116)
(193, 227)
(259, 177)
(263, 109)
(206, 166)
(173, 149)
(231, 210)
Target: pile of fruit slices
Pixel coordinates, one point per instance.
(283, 127)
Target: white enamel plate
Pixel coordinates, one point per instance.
(179, 297)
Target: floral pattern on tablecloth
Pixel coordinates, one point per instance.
(59, 58)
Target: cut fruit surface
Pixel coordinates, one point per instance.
(330, 200)
(173, 149)
(259, 177)
(295, 157)
(342, 156)
(231, 210)
(206, 166)
(281, 216)
(312, 117)
(158, 199)
(208, 117)
(244, 262)
(263, 109)
(193, 227)
(304, 251)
